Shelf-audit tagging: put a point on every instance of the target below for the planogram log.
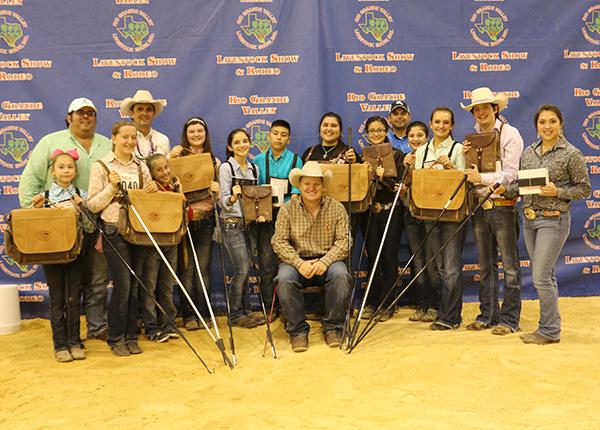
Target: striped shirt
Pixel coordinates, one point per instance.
(101, 194)
(298, 235)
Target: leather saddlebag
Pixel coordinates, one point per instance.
(257, 200)
(381, 156)
(431, 189)
(163, 213)
(485, 151)
(195, 172)
(361, 185)
(43, 235)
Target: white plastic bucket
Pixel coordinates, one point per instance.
(10, 313)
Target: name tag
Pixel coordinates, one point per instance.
(130, 180)
(279, 189)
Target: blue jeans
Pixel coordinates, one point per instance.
(201, 232)
(427, 285)
(123, 305)
(158, 280)
(497, 230)
(265, 258)
(236, 241)
(449, 266)
(387, 268)
(544, 239)
(337, 293)
(95, 281)
(64, 286)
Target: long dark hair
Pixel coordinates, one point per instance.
(338, 118)
(551, 108)
(383, 121)
(206, 147)
(228, 152)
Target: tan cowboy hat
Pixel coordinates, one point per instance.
(141, 96)
(312, 169)
(485, 95)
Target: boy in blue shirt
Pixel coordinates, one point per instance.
(274, 166)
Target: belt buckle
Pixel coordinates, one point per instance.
(487, 204)
(529, 213)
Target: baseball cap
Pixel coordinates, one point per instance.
(79, 103)
(399, 104)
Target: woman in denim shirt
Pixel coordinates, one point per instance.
(237, 170)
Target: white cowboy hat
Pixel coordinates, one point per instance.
(312, 169)
(141, 96)
(485, 95)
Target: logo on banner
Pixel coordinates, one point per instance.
(373, 26)
(257, 28)
(259, 133)
(133, 30)
(12, 35)
(591, 28)
(591, 124)
(489, 26)
(14, 145)
(592, 231)
(14, 269)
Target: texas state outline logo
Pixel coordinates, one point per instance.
(15, 143)
(591, 24)
(14, 269)
(13, 35)
(133, 30)
(373, 26)
(489, 26)
(591, 130)
(259, 134)
(257, 28)
(591, 237)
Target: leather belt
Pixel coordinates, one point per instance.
(532, 214)
(492, 203)
(233, 220)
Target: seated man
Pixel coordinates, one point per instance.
(311, 239)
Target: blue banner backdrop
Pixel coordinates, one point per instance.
(245, 63)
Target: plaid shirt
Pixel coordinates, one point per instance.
(298, 235)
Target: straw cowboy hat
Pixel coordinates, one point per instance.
(141, 96)
(484, 95)
(312, 169)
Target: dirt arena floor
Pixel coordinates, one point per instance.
(403, 376)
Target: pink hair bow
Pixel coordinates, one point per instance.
(71, 152)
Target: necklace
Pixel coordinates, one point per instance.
(327, 151)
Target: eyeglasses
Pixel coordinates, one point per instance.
(376, 131)
(88, 113)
